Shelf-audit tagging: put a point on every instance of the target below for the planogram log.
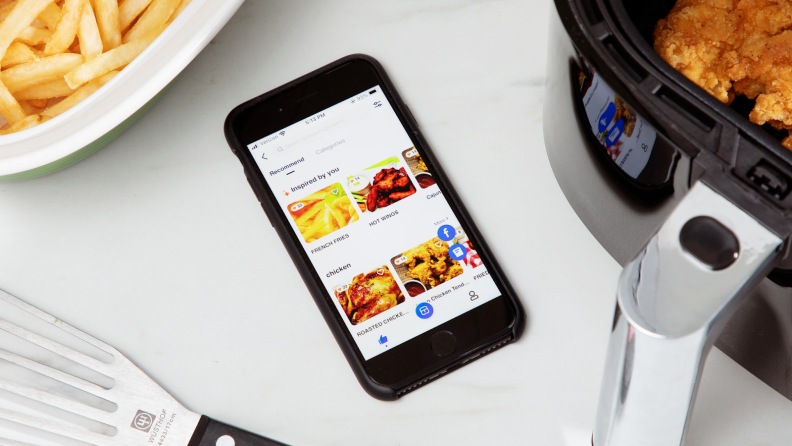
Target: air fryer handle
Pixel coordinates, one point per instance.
(215, 433)
(674, 299)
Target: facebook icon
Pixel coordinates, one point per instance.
(383, 339)
(446, 233)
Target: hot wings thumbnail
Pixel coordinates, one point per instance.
(388, 187)
(429, 262)
(731, 47)
(369, 295)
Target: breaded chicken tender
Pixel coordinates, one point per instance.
(733, 47)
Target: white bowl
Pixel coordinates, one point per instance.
(101, 117)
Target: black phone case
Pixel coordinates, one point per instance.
(356, 362)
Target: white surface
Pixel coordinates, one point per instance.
(157, 245)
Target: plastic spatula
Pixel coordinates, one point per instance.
(62, 387)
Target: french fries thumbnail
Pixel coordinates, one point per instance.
(323, 212)
(54, 54)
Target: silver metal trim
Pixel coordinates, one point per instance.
(671, 309)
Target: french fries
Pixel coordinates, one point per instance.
(182, 6)
(37, 104)
(34, 36)
(47, 69)
(24, 124)
(129, 10)
(50, 16)
(9, 107)
(18, 53)
(323, 212)
(115, 58)
(56, 53)
(109, 24)
(155, 17)
(90, 39)
(79, 95)
(48, 90)
(6, 9)
(66, 29)
(20, 18)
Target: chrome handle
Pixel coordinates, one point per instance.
(671, 308)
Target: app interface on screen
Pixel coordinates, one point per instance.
(373, 222)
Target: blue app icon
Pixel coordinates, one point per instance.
(446, 233)
(457, 252)
(615, 133)
(424, 310)
(606, 117)
(383, 339)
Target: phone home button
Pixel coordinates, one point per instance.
(443, 343)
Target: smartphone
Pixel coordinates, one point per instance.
(385, 246)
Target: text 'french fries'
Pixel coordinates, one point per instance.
(56, 53)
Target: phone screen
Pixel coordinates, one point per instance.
(371, 218)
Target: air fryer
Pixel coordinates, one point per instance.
(694, 203)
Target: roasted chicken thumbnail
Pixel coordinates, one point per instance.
(369, 295)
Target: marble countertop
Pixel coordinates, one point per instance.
(157, 245)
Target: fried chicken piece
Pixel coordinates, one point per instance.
(694, 38)
(438, 267)
(371, 198)
(396, 196)
(401, 182)
(420, 252)
(733, 47)
(424, 274)
(452, 272)
(386, 183)
(437, 248)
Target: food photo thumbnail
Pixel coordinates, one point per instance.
(323, 212)
(471, 259)
(381, 185)
(369, 295)
(418, 167)
(426, 266)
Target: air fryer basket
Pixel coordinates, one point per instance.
(744, 161)
(691, 118)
